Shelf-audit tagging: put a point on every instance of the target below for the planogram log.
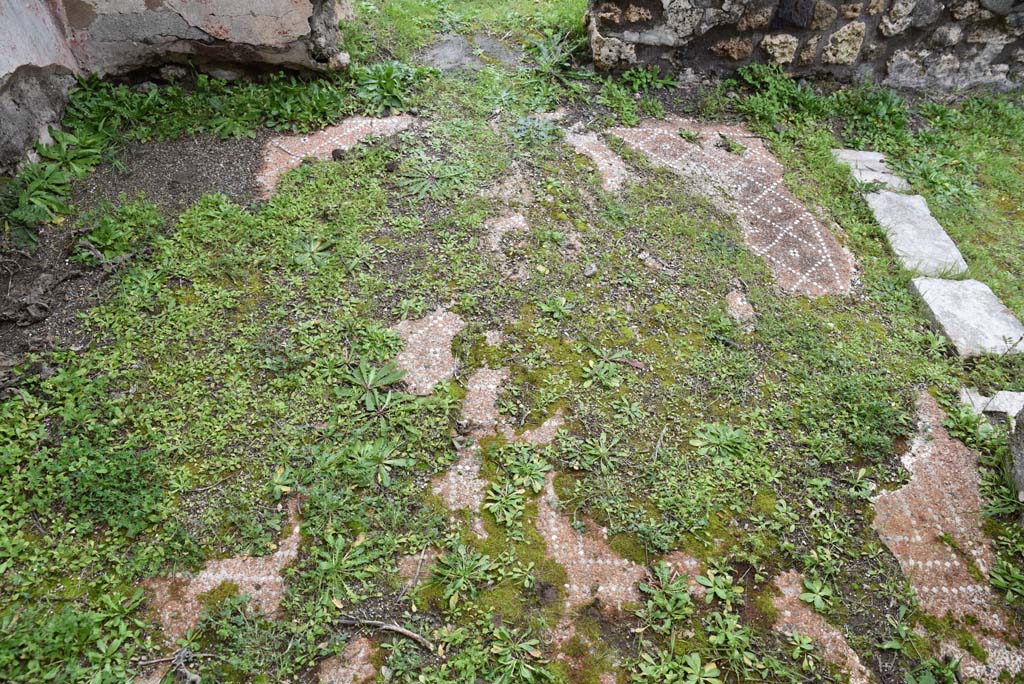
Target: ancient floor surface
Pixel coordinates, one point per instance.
(931, 525)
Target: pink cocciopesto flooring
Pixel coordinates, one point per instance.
(796, 616)
(427, 356)
(593, 570)
(176, 599)
(610, 166)
(353, 666)
(933, 526)
(285, 152)
(804, 256)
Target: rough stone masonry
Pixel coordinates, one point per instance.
(44, 44)
(913, 44)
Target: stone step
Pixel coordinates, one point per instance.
(971, 316)
(1001, 407)
(870, 167)
(914, 234)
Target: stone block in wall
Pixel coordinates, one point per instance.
(844, 45)
(114, 36)
(947, 35)
(898, 19)
(36, 70)
(737, 48)
(925, 44)
(781, 48)
(756, 18)
(852, 10)
(824, 16)
(46, 42)
(999, 7)
(924, 69)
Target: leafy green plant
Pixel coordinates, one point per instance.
(620, 101)
(506, 502)
(601, 451)
(652, 107)
(642, 79)
(666, 666)
(39, 193)
(525, 466)
(817, 593)
(116, 231)
(553, 53)
(76, 155)
(730, 641)
(43, 641)
(722, 442)
(385, 85)
(460, 571)
(689, 135)
(439, 179)
(557, 307)
(730, 145)
(517, 657)
(282, 482)
(803, 651)
(775, 96)
(902, 632)
(601, 373)
(311, 252)
(719, 585)
(1008, 578)
(668, 604)
(372, 462)
(873, 117)
(343, 566)
(366, 382)
(532, 131)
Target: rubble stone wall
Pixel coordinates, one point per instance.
(943, 45)
(45, 43)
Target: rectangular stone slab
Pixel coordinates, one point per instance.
(971, 316)
(914, 234)
(1001, 407)
(870, 167)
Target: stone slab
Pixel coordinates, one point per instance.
(870, 167)
(971, 316)
(1001, 407)
(914, 234)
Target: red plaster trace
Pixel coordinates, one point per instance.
(479, 408)
(593, 570)
(610, 166)
(414, 568)
(942, 501)
(797, 616)
(175, 599)
(461, 487)
(284, 153)
(496, 228)
(739, 310)
(427, 357)
(804, 257)
(540, 435)
(353, 666)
